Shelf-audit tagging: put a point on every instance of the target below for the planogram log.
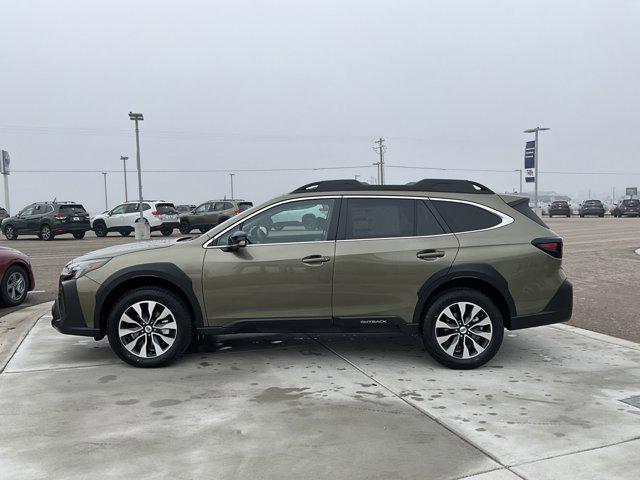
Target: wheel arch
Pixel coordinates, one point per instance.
(164, 275)
(481, 277)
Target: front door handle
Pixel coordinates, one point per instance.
(430, 254)
(315, 260)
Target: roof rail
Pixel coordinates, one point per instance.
(425, 185)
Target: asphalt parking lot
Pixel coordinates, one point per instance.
(599, 258)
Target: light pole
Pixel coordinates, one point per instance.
(124, 164)
(106, 203)
(519, 170)
(535, 159)
(231, 177)
(141, 228)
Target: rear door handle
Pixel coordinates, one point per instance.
(430, 254)
(315, 260)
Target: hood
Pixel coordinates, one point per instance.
(118, 250)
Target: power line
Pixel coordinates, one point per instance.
(219, 170)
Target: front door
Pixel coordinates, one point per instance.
(386, 249)
(282, 277)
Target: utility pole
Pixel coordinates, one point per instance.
(4, 167)
(231, 176)
(535, 160)
(106, 203)
(124, 164)
(380, 148)
(142, 228)
(519, 170)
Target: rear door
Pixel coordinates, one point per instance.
(33, 221)
(387, 248)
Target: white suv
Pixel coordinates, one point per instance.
(159, 214)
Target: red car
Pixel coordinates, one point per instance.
(17, 277)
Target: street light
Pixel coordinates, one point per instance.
(124, 163)
(535, 159)
(141, 228)
(231, 176)
(106, 203)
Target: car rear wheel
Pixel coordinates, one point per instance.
(149, 327)
(462, 329)
(14, 287)
(10, 232)
(46, 233)
(125, 233)
(166, 231)
(78, 235)
(100, 229)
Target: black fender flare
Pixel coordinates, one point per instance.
(165, 271)
(474, 271)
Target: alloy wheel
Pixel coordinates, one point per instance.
(45, 232)
(147, 329)
(463, 330)
(16, 286)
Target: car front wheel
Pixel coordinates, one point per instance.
(10, 232)
(100, 229)
(149, 327)
(462, 329)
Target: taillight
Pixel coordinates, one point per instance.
(237, 211)
(552, 246)
(59, 215)
(155, 213)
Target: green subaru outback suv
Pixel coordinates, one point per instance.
(448, 260)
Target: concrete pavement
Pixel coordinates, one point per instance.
(375, 407)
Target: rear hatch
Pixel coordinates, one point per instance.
(72, 214)
(167, 212)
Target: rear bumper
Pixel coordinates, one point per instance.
(71, 227)
(155, 228)
(559, 309)
(67, 313)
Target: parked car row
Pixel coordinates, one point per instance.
(626, 208)
(49, 219)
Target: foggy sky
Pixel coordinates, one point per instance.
(254, 84)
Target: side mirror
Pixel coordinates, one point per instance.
(237, 240)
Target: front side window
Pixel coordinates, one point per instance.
(27, 211)
(463, 217)
(379, 218)
(292, 222)
(119, 210)
(202, 208)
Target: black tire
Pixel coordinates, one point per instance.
(10, 232)
(601, 215)
(581, 216)
(182, 336)
(166, 231)
(100, 229)
(550, 216)
(436, 310)
(125, 233)
(46, 233)
(309, 221)
(568, 215)
(14, 276)
(185, 227)
(78, 235)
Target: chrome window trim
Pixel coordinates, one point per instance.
(289, 200)
(504, 218)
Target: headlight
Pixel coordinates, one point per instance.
(76, 269)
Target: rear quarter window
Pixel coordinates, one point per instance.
(464, 217)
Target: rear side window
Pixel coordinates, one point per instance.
(72, 209)
(522, 206)
(379, 218)
(463, 217)
(426, 223)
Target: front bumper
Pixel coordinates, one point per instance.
(67, 312)
(559, 309)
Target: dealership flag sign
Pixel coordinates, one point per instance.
(530, 161)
